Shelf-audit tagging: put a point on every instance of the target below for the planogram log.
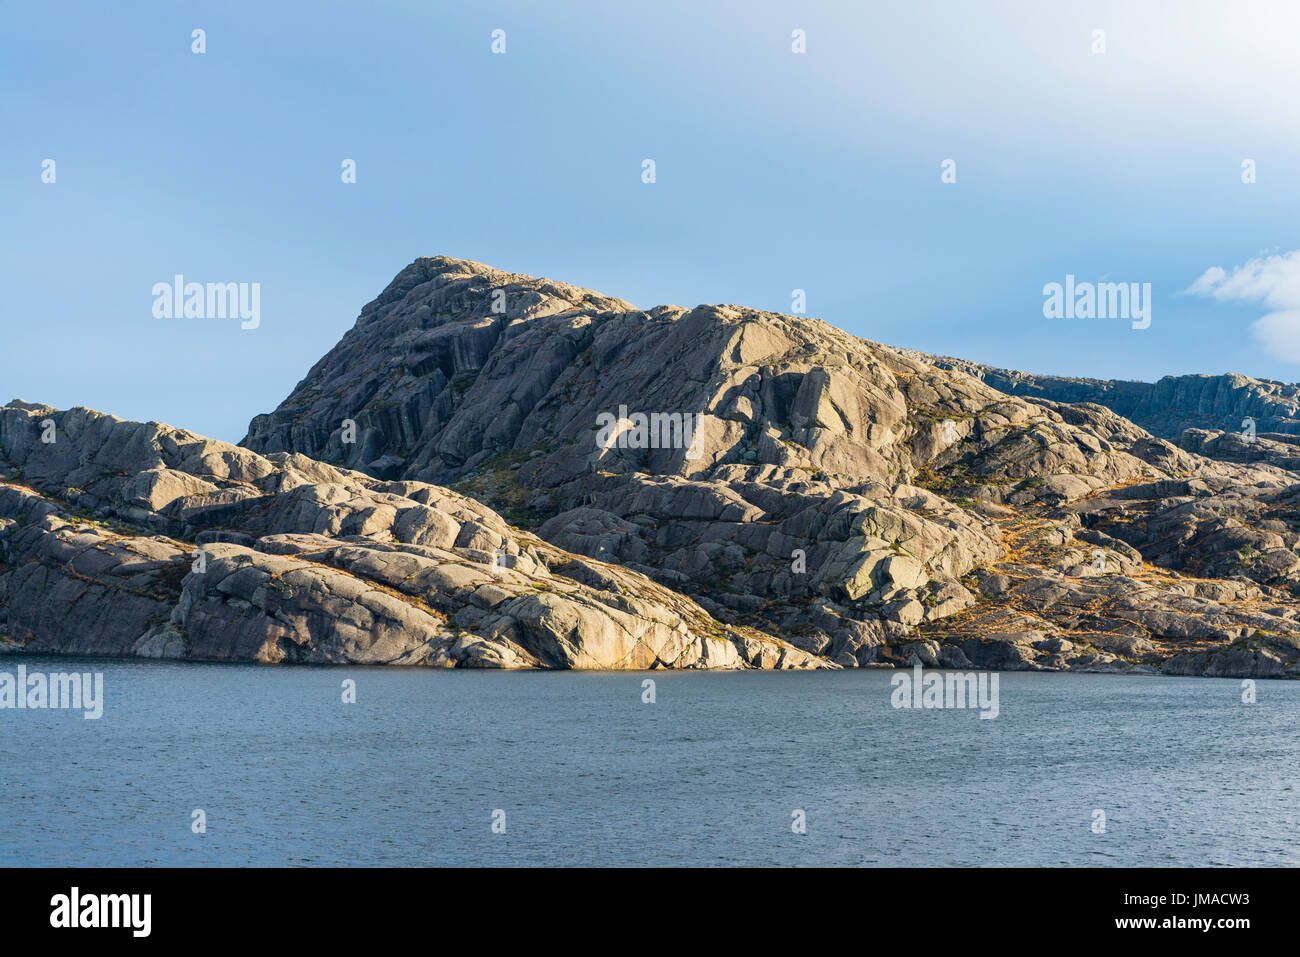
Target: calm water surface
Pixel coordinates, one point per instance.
(586, 773)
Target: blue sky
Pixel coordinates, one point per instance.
(775, 171)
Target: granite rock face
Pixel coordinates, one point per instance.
(869, 505)
(137, 539)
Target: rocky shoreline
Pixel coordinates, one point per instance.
(436, 492)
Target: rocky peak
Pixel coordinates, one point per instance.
(825, 486)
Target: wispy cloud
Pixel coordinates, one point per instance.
(1273, 281)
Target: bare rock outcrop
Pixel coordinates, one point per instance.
(127, 538)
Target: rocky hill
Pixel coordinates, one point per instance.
(869, 505)
(493, 470)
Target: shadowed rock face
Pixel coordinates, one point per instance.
(1167, 408)
(127, 538)
(714, 487)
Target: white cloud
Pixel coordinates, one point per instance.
(1273, 281)
(1279, 333)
